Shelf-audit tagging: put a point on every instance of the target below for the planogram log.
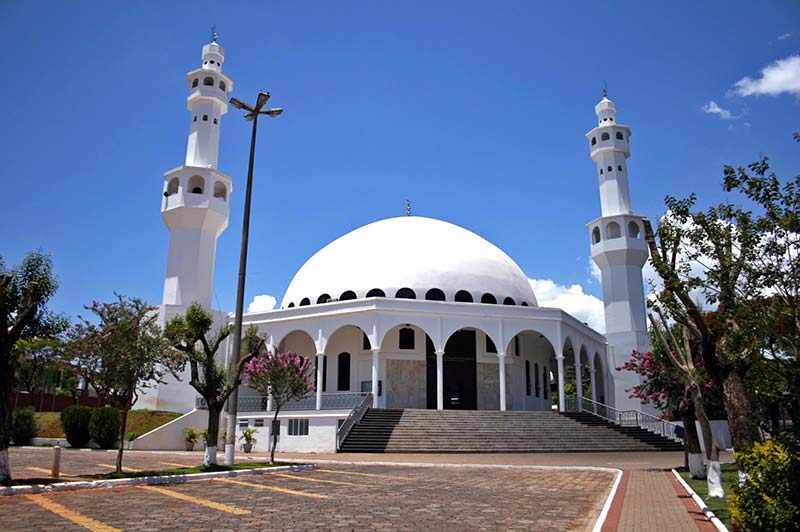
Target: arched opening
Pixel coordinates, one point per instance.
(508, 301)
(488, 298)
(376, 292)
(619, 168)
(596, 235)
(434, 294)
(523, 304)
(196, 82)
(196, 184)
(343, 372)
(462, 296)
(535, 349)
(222, 85)
(172, 186)
(208, 82)
(405, 293)
(406, 338)
(324, 298)
(610, 168)
(305, 302)
(347, 295)
(290, 305)
(601, 171)
(205, 118)
(594, 141)
(605, 136)
(599, 380)
(536, 379)
(619, 135)
(633, 230)
(613, 230)
(460, 381)
(220, 191)
(528, 378)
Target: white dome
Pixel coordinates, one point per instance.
(410, 252)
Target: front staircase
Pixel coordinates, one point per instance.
(487, 431)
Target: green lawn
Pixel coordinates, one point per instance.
(139, 421)
(730, 478)
(185, 470)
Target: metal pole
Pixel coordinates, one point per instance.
(230, 441)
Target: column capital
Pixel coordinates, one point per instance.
(320, 354)
(501, 354)
(375, 350)
(439, 352)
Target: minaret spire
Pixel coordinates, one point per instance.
(618, 249)
(214, 35)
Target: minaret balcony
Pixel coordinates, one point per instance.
(618, 233)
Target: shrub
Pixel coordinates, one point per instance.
(190, 435)
(23, 425)
(770, 498)
(104, 426)
(132, 435)
(75, 424)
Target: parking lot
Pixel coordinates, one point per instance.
(332, 497)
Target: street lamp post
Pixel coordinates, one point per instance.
(252, 116)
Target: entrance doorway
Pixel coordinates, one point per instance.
(460, 377)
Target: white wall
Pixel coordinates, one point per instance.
(170, 436)
(321, 432)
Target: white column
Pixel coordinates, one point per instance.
(270, 401)
(501, 359)
(560, 362)
(578, 381)
(320, 378)
(375, 366)
(591, 381)
(440, 379)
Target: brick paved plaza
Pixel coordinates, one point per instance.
(352, 496)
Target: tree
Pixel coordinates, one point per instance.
(25, 289)
(37, 358)
(283, 376)
(185, 333)
(745, 265)
(121, 354)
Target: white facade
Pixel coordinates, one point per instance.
(618, 249)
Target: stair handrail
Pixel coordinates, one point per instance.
(632, 418)
(354, 417)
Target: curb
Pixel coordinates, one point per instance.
(148, 481)
(701, 504)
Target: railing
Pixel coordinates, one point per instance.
(355, 416)
(624, 418)
(330, 401)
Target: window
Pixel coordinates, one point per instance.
(298, 427)
(376, 292)
(205, 118)
(536, 378)
(605, 136)
(619, 168)
(613, 230)
(196, 82)
(406, 338)
(527, 378)
(405, 293)
(508, 301)
(259, 422)
(215, 121)
(463, 296)
(545, 382)
(324, 373)
(208, 82)
(610, 168)
(196, 184)
(490, 347)
(434, 294)
(291, 305)
(305, 302)
(220, 190)
(595, 235)
(343, 376)
(488, 298)
(243, 423)
(347, 295)
(601, 171)
(365, 343)
(222, 85)
(619, 135)
(324, 298)
(523, 304)
(633, 230)
(516, 345)
(594, 141)
(212, 61)
(194, 119)
(172, 187)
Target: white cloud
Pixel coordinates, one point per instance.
(594, 270)
(262, 303)
(776, 78)
(713, 109)
(784, 37)
(571, 299)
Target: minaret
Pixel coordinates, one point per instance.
(619, 250)
(196, 195)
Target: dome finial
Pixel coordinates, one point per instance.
(214, 35)
(605, 90)
(408, 207)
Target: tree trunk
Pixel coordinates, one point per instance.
(741, 416)
(713, 472)
(274, 436)
(212, 434)
(5, 423)
(126, 408)
(697, 469)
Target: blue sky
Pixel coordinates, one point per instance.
(474, 111)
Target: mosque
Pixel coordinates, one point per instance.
(435, 318)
